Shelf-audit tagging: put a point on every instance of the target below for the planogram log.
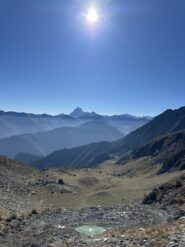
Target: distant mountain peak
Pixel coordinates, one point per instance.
(77, 112)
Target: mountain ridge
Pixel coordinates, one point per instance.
(77, 109)
(167, 152)
(14, 123)
(167, 122)
(44, 143)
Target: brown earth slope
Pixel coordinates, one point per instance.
(168, 152)
(171, 193)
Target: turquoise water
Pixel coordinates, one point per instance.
(90, 230)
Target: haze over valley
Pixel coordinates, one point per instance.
(141, 173)
(92, 123)
(43, 134)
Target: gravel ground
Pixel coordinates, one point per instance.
(56, 228)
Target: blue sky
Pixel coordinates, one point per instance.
(131, 61)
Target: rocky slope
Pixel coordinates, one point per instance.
(14, 190)
(168, 152)
(127, 226)
(170, 194)
(24, 188)
(32, 211)
(57, 227)
(167, 122)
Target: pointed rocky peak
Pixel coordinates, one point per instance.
(77, 112)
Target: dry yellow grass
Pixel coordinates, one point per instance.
(100, 187)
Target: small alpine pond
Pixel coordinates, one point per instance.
(90, 230)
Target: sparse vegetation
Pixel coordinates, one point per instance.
(13, 216)
(87, 188)
(34, 211)
(1, 218)
(170, 193)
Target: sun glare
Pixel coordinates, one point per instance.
(92, 15)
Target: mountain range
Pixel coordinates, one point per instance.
(14, 123)
(40, 135)
(43, 143)
(169, 121)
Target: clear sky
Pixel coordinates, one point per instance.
(131, 61)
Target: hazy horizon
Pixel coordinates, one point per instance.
(130, 61)
(86, 110)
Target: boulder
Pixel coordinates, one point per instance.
(61, 181)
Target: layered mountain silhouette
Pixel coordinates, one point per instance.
(42, 134)
(13, 123)
(79, 157)
(43, 143)
(168, 122)
(27, 158)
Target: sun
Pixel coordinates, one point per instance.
(92, 15)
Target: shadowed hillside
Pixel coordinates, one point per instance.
(166, 152)
(79, 157)
(167, 122)
(43, 143)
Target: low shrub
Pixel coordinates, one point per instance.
(11, 217)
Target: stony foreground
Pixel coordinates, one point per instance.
(43, 208)
(133, 225)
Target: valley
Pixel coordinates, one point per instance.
(103, 186)
(131, 187)
(92, 123)
(40, 135)
(43, 207)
